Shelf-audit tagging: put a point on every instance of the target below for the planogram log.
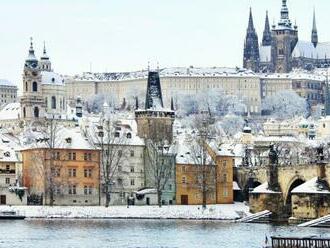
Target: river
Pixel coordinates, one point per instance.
(141, 233)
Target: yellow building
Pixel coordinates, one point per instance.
(218, 171)
(70, 171)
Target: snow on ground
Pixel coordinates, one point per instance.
(214, 212)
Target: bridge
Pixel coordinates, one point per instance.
(289, 177)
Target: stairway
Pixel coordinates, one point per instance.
(260, 217)
(320, 222)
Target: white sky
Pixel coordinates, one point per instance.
(123, 35)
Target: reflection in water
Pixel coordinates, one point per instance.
(141, 233)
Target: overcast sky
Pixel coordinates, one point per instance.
(123, 35)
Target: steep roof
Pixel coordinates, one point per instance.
(306, 49)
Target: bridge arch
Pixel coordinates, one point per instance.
(251, 184)
(295, 182)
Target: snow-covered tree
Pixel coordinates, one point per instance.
(285, 104)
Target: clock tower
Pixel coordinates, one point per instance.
(32, 102)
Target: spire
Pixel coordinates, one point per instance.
(251, 26)
(31, 56)
(251, 47)
(267, 37)
(154, 99)
(315, 38)
(285, 21)
(44, 54)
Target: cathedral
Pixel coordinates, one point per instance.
(280, 49)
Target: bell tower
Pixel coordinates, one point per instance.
(32, 102)
(45, 64)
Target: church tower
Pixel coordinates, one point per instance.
(315, 38)
(32, 102)
(251, 58)
(45, 64)
(284, 40)
(267, 35)
(155, 122)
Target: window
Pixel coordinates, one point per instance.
(34, 87)
(224, 163)
(129, 136)
(88, 172)
(72, 190)
(7, 180)
(225, 192)
(120, 152)
(36, 112)
(224, 178)
(132, 168)
(184, 180)
(120, 181)
(132, 153)
(56, 172)
(88, 190)
(24, 113)
(132, 182)
(7, 167)
(53, 102)
(26, 86)
(170, 187)
(120, 168)
(57, 190)
(87, 156)
(73, 156)
(57, 156)
(72, 172)
(117, 134)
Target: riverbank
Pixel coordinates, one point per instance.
(212, 212)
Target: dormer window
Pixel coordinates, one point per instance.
(7, 154)
(68, 140)
(53, 80)
(117, 134)
(129, 136)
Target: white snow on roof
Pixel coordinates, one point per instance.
(146, 191)
(306, 49)
(263, 189)
(235, 186)
(168, 72)
(312, 187)
(6, 82)
(11, 111)
(49, 77)
(265, 53)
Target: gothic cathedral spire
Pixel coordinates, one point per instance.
(251, 47)
(267, 36)
(315, 38)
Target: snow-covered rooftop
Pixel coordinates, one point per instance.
(263, 189)
(312, 187)
(306, 49)
(49, 77)
(11, 111)
(6, 82)
(167, 72)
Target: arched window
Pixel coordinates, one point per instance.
(26, 86)
(34, 87)
(53, 102)
(24, 113)
(36, 112)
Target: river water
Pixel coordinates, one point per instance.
(141, 233)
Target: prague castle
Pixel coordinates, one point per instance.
(281, 50)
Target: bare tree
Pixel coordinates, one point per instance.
(159, 166)
(45, 158)
(107, 135)
(205, 169)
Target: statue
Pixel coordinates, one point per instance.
(273, 157)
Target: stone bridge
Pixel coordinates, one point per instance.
(289, 177)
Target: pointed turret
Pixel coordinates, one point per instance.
(154, 99)
(285, 21)
(267, 37)
(315, 38)
(45, 63)
(31, 59)
(251, 47)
